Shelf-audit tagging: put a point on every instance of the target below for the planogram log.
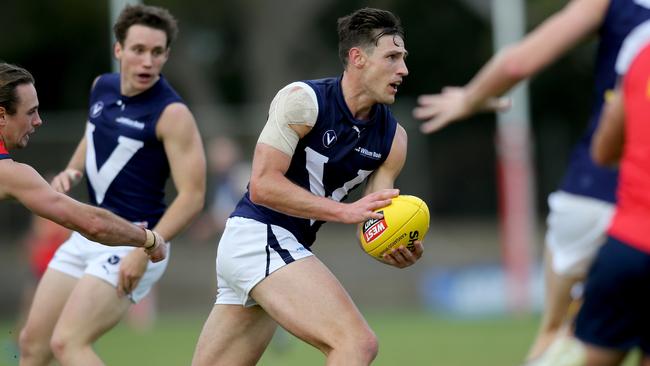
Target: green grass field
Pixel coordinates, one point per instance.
(411, 339)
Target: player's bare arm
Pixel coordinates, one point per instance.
(384, 178)
(180, 136)
(556, 35)
(24, 184)
(608, 140)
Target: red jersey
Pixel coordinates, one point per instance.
(631, 222)
(4, 153)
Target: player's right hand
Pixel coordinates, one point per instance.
(65, 180)
(364, 209)
(159, 251)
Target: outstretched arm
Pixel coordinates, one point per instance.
(544, 45)
(23, 183)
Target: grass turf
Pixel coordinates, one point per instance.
(406, 338)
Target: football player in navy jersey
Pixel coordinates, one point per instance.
(582, 207)
(19, 118)
(321, 140)
(138, 133)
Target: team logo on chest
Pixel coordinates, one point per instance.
(96, 109)
(329, 138)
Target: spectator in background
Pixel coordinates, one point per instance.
(581, 209)
(228, 176)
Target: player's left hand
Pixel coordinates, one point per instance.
(402, 257)
(451, 105)
(132, 269)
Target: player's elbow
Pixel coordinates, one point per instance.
(195, 201)
(603, 156)
(258, 192)
(515, 65)
(94, 227)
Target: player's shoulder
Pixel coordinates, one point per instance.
(176, 110)
(15, 175)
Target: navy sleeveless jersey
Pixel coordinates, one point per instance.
(337, 155)
(583, 177)
(126, 164)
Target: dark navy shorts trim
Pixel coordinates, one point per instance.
(272, 242)
(616, 309)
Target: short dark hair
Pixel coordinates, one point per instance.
(364, 27)
(10, 77)
(150, 16)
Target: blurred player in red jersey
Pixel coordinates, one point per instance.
(614, 318)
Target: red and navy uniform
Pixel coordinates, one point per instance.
(615, 311)
(337, 155)
(4, 153)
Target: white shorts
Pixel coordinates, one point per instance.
(79, 256)
(577, 227)
(248, 252)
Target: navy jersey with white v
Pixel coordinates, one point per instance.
(337, 155)
(126, 164)
(584, 177)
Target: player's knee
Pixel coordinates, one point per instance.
(60, 345)
(363, 344)
(369, 346)
(32, 346)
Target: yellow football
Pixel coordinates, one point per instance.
(405, 220)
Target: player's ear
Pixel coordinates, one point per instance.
(3, 116)
(117, 50)
(356, 57)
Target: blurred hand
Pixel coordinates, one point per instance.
(67, 179)
(132, 269)
(159, 250)
(402, 257)
(363, 209)
(453, 104)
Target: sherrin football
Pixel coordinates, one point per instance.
(405, 220)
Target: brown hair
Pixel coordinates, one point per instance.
(150, 16)
(10, 77)
(364, 28)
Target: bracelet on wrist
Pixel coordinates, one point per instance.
(150, 241)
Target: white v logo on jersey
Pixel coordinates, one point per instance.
(101, 179)
(316, 168)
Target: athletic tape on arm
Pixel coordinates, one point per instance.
(295, 104)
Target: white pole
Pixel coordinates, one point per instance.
(516, 183)
(116, 7)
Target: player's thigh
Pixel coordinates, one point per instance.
(93, 308)
(234, 335)
(307, 300)
(51, 295)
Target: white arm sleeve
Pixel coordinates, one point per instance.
(295, 104)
